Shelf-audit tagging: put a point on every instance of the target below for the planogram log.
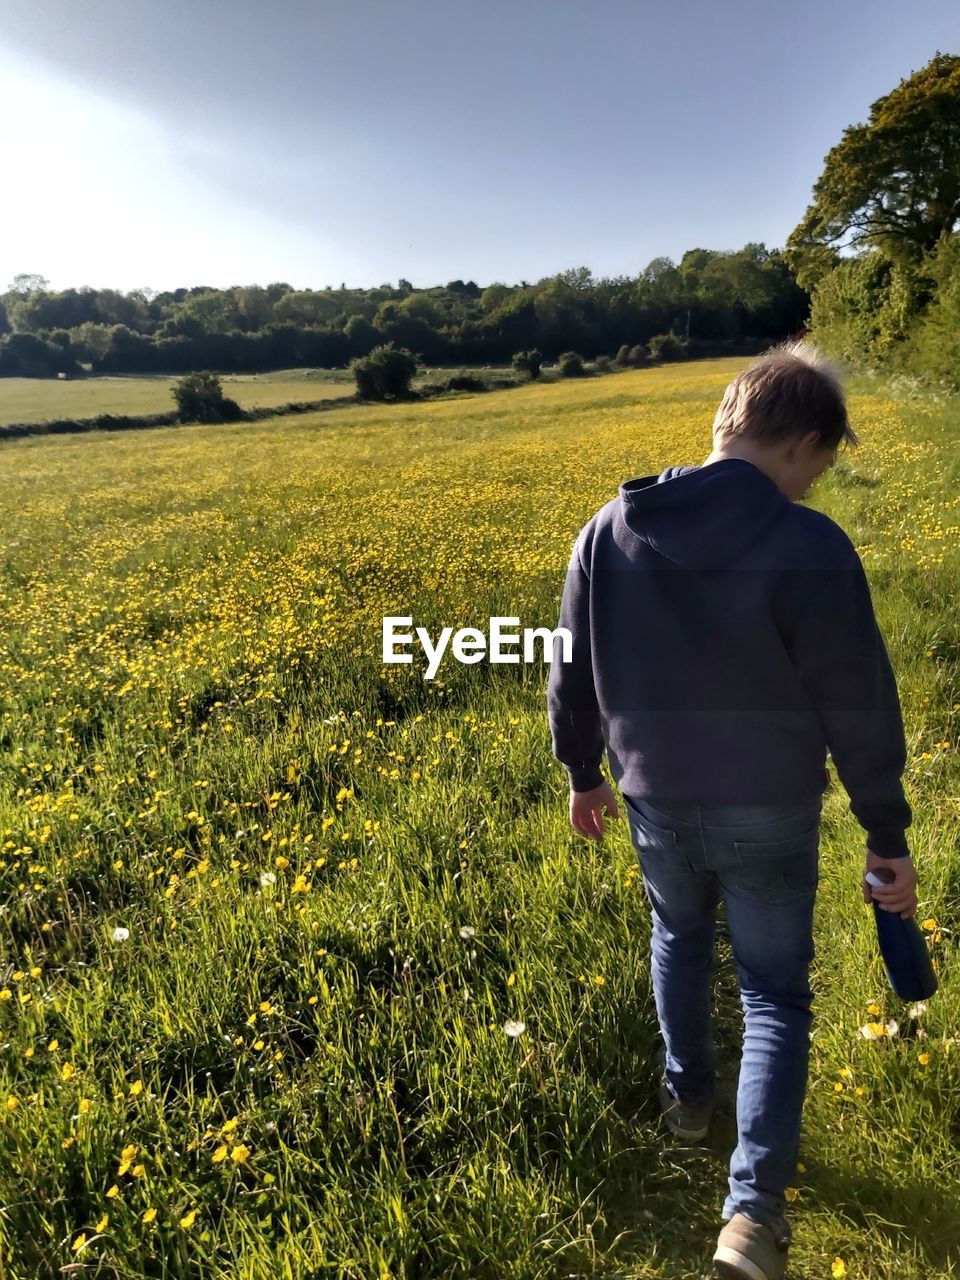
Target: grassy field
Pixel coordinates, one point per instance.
(304, 972)
(42, 399)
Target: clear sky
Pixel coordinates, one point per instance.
(219, 142)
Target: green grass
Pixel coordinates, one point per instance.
(43, 399)
(191, 688)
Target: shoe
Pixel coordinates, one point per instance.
(748, 1250)
(690, 1120)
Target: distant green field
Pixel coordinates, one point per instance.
(42, 399)
(39, 399)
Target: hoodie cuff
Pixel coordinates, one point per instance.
(888, 844)
(585, 779)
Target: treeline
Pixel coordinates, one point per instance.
(719, 300)
(890, 194)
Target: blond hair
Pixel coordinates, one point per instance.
(789, 390)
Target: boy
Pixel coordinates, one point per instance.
(723, 640)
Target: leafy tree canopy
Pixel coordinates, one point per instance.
(893, 183)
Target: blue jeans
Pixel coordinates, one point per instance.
(763, 861)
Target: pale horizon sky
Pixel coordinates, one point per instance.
(216, 143)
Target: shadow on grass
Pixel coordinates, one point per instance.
(664, 1196)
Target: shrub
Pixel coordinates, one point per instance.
(933, 347)
(200, 398)
(602, 364)
(571, 365)
(864, 309)
(638, 355)
(386, 373)
(623, 355)
(465, 382)
(528, 362)
(667, 346)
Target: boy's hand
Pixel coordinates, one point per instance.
(901, 893)
(588, 807)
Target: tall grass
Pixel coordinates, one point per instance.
(380, 1012)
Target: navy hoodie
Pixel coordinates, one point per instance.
(723, 641)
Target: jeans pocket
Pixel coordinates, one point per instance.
(657, 847)
(779, 867)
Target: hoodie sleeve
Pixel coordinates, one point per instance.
(571, 697)
(843, 664)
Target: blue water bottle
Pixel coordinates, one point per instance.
(906, 957)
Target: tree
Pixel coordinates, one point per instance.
(24, 355)
(304, 306)
(41, 310)
(254, 307)
(493, 295)
(893, 183)
(579, 279)
(91, 341)
(566, 313)
(200, 398)
(864, 310)
(934, 343)
(27, 282)
(277, 289)
(528, 362)
(385, 374)
(571, 365)
(361, 336)
(513, 325)
(206, 311)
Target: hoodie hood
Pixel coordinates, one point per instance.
(702, 517)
